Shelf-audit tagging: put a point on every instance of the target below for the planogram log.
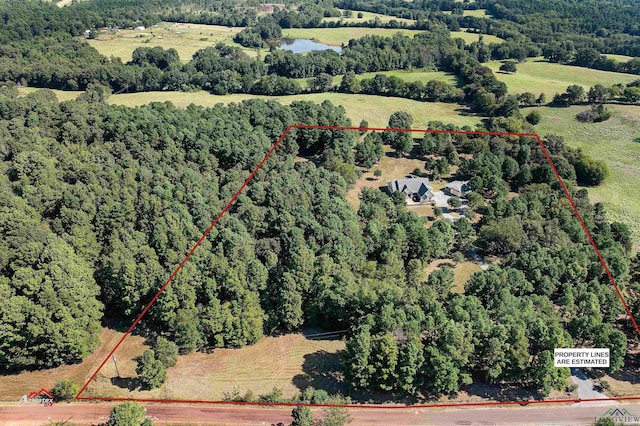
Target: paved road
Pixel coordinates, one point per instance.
(575, 414)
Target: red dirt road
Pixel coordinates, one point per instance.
(93, 414)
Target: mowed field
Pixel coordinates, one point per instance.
(611, 141)
(185, 38)
(339, 36)
(539, 76)
(471, 37)
(375, 109)
(291, 362)
(62, 95)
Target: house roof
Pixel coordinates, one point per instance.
(458, 185)
(412, 185)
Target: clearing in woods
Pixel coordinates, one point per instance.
(537, 75)
(185, 38)
(339, 36)
(611, 141)
(367, 16)
(375, 109)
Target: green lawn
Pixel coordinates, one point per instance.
(375, 109)
(611, 141)
(339, 36)
(479, 13)
(185, 38)
(619, 58)
(367, 16)
(407, 76)
(537, 75)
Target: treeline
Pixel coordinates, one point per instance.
(589, 58)
(599, 94)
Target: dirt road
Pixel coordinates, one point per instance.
(576, 414)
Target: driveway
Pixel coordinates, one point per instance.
(586, 389)
(440, 200)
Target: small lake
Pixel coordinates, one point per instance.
(302, 45)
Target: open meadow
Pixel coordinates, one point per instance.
(367, 16)
(471, 37)
(537, 75)
(405, 75)
(339, 36)
(613, 142)
(62, 95)
(375, 109)
(185, 38)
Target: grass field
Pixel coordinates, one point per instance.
(185, 38)
(461, 271)
(367, 16)
(290, 362)
(375, 109)
(12, 387)
(619, 58)
(407, 76)
(611, 141)
(339, 36)
(471, 37)
(479, 13)
(62, 95)
(537, 75)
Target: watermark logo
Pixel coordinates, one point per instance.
(39, 397)
(619, 415)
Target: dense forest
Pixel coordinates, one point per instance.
(99, 203)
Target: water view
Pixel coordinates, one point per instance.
(302, 45)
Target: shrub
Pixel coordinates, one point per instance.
(595, 114)
(534, 117)
(65, 390)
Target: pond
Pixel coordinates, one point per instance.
(302, 45)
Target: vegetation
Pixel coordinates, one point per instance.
(65, 390)
(128, 414)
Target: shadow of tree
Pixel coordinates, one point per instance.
(322, 370)
(129, 383)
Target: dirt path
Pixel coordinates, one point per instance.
(575, 414)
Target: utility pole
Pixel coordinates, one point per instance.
(116, 364)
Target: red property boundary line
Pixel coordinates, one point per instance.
(371, 406)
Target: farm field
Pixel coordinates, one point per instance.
(290, 362)
(611, 141)
(375, 109)
(619, 58)
(537, 75)
(367, 16)
(407, 76)
(471, 37)
(185, 38)
(339, 36)
(479, 13)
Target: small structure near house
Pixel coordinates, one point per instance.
(416, 188)
(457, 188)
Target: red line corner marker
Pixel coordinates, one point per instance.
(367, 406)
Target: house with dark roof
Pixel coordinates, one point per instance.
(457, 188)
(417, 189)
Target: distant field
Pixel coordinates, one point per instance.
(339, 36)
(619, 58)
(537, 75)
(62, 95)
(480, 13)
(290, 362)
(407, 76)
(471, 37)
(611, 141)
(367, 16)
(185, 38)
(375, 109)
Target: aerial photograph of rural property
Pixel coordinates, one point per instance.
(319, 212)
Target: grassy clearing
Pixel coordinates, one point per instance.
(461, 271)
(62, 95)
(619, 58)
(339, 36)
(12, 387)
(479, 13)
(471, 37)
(375, 109)
(537, 75)
(289, 362)
(407, 76)
(611, 141)
(185, 38)
(367, 16)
